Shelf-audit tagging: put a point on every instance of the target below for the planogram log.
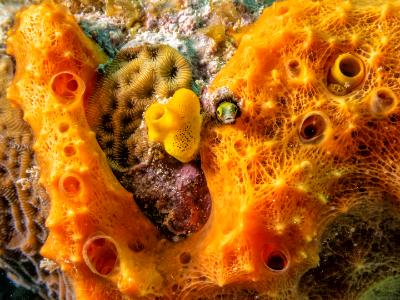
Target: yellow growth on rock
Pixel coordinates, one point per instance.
(176, 124)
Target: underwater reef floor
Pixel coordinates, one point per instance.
(200, 149)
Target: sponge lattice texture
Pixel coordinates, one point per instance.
(317, 83)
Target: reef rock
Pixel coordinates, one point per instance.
(299, 148)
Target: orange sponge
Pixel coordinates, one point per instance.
(88, 205)
(317, 85)
(305, 124)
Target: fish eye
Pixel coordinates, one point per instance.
(227, 112)
(313, 127)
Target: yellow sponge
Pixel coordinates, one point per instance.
(176, 124)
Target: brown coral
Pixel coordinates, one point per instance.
(133, 81)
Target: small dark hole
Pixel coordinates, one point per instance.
(109, 144)
(175, 287)
(106, 118)
(362, 147)
(293, 64)
(310, 131)
(149, 93)
(173, 72)
(312, 128)
(382, 95)
(106, 127)
(294, 67)
(281, 101)
(349, 67)
(393, 118)
(185, 258)
(371, 124)
(136, 246)
(385, 99)
(113, 103)
(130, 104)
(127, 54)
(72, 85)
(153, 51)
(126, 121)
(131, 55)
(276, 261)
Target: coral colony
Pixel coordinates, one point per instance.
(160, 174)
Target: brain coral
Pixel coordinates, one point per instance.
(304, 180)
(131, 82)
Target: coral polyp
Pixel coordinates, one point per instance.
(295, 191)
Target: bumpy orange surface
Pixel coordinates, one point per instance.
(56, 67)
(317, 86)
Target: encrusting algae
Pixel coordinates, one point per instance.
(298, 146)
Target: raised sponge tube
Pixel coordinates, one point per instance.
(348, 71)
